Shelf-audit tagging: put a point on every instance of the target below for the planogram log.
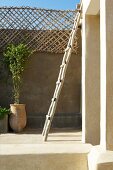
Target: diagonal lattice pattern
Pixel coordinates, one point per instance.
(42, 30)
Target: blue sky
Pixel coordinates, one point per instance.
(50, 4)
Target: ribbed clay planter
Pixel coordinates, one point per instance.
(17, 118)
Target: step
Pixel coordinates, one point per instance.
(99, 159)
(44, 156)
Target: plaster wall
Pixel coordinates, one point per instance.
(91, 7)
(38, 85)
(106, 13)
(91, 79)
(109, 78)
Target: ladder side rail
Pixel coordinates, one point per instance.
(61, 78)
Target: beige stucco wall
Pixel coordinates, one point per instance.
(38, 86)
(106, 69)
(91, 79)
(42, 78)
(109, 69)
(106, 13)
(91, 7)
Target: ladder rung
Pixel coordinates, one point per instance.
(48, 117)
(53, 99)
(68, 48)
(62, 65)
(58, 82)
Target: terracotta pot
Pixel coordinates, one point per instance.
(17, 118)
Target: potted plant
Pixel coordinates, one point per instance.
(16, 57)
(4, 119)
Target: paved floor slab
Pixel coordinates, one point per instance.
(34, 137)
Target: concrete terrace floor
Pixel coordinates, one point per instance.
(33, 136)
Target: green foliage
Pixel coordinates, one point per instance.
(3, 112)
(16, 57)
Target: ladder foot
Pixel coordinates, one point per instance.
(45, 138)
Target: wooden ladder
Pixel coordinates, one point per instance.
(62, 73)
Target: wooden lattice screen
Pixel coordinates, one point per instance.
(40, 29)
